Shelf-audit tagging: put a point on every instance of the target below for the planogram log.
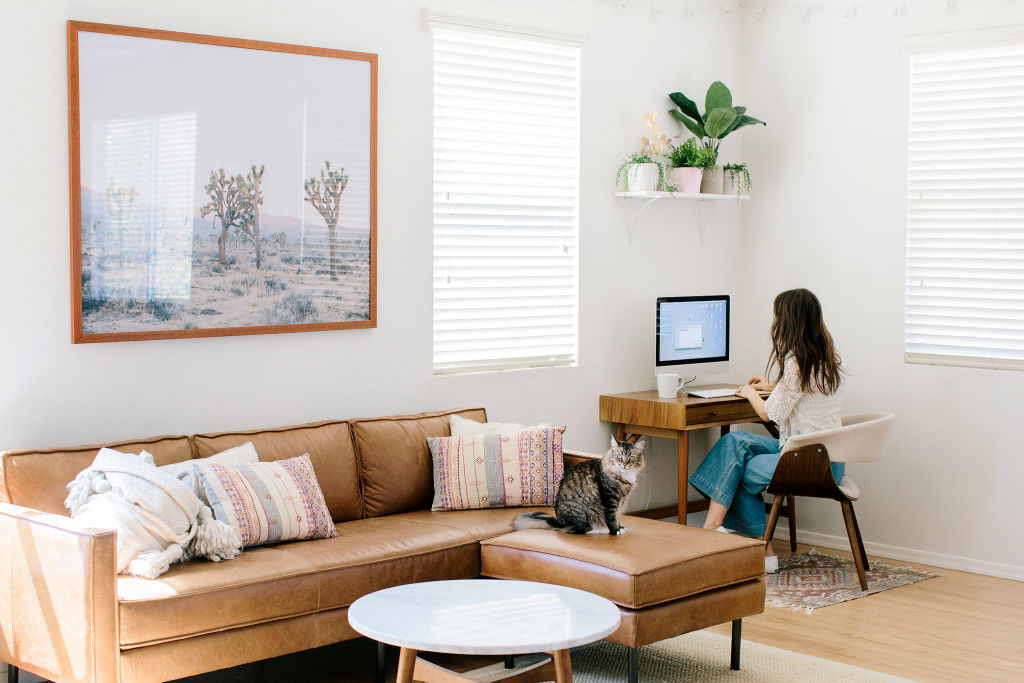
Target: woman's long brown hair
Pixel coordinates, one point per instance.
(799, 330)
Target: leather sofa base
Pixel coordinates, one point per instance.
(225, 649)
(669, 619)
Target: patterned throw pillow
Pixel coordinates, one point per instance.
(268, 502)
(497, 470)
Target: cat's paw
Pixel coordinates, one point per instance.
(621, 530)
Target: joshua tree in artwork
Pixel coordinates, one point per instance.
(249, 227)
(325, 196)
(229, 203)
(119, 208)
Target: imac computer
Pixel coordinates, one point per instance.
(692, 332)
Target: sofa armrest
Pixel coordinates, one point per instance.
(571, 458)
(60, 620)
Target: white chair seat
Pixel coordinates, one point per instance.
(848, 487)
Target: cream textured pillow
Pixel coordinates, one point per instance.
(462, 426)
(185, 472)
(267, 502)
(497, 470)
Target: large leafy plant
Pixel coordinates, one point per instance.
(719, 119)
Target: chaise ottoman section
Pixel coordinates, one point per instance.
(652, 563)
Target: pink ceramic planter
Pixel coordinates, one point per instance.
(686, 178)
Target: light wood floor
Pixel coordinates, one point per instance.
(955, 627)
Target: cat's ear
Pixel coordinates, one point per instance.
(615, 444)
(639, 446)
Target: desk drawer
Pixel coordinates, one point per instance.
(712, 412)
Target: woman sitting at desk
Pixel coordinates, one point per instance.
(804, 398)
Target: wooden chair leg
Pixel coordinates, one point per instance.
(12, 674)
(791, 514)
(773, 518)
(633, 665)
(856, 544)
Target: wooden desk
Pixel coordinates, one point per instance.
(643, 413)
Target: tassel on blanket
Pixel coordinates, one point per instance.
(153, 563)
(214, 539)
(87, 482)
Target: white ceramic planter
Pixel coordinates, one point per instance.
(713, 181)
(642, 178)
(686, 179)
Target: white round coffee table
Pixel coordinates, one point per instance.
(483, 617)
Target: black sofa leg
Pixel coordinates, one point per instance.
(381, 657)
(734, 660)
(634, 665)
(12, 674)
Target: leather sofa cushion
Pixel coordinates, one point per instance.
(479, 524)
(652, 563)
(330, 448)
(289, 579)
(394, 461)
(38, 479)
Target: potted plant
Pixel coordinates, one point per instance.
(683, 173)
(640, 172)
(720, 118)
(711, 177)
(737, 179)
(643, 173)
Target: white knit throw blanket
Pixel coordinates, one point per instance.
(158, 519)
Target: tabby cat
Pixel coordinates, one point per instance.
(592, 493)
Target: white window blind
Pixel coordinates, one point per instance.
(506, 202)
(965, 233)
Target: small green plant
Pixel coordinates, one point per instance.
(691, 155)
(739, 176)
(632, 160)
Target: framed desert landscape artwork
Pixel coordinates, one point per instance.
(219, 186)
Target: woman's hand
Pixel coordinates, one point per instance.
(749, 392)
(760, 383)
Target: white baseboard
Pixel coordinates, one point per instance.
(963, 564)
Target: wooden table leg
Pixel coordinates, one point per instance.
(406, 665)
(682, 472)
(620, 432)
(563, 666)
(725, 429)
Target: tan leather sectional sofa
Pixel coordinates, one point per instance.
(70, 618)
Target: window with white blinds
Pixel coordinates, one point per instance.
(506, 202)
(965, 232)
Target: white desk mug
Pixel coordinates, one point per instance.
(669, 384)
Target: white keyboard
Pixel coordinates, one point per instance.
(713, 393)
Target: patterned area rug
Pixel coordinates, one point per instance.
(703, 657)
(813, 580)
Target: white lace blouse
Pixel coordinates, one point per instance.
(800, 412)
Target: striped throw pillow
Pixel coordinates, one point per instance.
(497, 470)
(268, 502)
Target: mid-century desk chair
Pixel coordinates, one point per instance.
(804, 470)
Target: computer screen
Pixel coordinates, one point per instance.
(692, 329)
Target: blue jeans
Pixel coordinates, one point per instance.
(734, 474)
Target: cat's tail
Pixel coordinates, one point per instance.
(537, 520)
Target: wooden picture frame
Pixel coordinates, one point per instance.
(219, 186)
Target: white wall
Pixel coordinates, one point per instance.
(54, 393)
(829, 214)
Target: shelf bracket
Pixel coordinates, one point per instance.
(631, 220)
(704, 218)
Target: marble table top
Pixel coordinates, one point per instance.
(483, 616)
